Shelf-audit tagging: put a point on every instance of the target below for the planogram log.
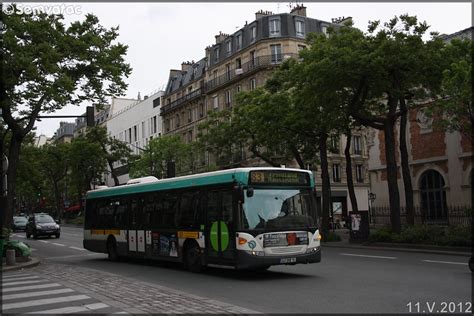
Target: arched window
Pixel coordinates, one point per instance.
(433, 196)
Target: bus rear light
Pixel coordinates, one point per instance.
(242, 241)
(319, 237)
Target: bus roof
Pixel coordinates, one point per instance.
(239, 175)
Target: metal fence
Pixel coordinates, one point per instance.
(455, 215)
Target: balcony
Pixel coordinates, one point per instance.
(188, 97)
(248, 67)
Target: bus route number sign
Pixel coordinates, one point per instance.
(279, 177)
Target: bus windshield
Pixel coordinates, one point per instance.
(278, 209)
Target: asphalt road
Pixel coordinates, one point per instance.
(346, 281)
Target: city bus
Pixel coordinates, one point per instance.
(244, 218)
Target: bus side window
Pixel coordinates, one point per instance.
(212, 205)
(227, 206)
(170, 203)
(184, 218)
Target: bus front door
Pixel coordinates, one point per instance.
(220, 243)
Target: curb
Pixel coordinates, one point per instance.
(33, 262)
(394, 248)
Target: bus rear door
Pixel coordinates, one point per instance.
(220, 241)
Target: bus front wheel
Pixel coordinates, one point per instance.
(193, 258)
(112, 249)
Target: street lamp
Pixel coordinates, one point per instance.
(372, 197)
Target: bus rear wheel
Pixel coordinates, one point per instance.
(112, 249)
(193, 258)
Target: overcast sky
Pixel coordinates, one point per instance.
(161, 36)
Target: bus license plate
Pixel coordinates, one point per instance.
(287, 260)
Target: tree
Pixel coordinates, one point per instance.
(159, 151)
(46, 65)
(113, 149)
(88, 163)
(453, 109)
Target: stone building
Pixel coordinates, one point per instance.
(243, 61)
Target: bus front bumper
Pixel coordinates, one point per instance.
(246, 260)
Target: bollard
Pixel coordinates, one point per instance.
(11, 257)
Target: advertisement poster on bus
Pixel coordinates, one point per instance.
(167, 244)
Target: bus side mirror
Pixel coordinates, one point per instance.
(249, 192)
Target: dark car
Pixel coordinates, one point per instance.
(42, 225)
(19, 223)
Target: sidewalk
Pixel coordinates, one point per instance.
(345, 243)
(32, 262)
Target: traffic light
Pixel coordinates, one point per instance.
(90, 116)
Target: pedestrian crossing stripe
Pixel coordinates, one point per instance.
(33, 294)
(30, 287)
(45, 301)
(73, 309)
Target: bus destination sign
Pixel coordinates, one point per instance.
(277, 177)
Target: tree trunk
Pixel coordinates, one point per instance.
(13, 159)
(3, 200)
(394, 195)
(112, 172)
(408, 187)
(57, 197)
(350, 180)
(326, 185)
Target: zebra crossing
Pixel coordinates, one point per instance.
(27, 293)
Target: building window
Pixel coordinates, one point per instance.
(216, 54)
(227, 98)
(156, 102)
(201, 110)
(190, 136)
(274, 27)
(178, 121)
(253, 84)
(167, 125)
(135, 133)
(334, 145)
(238, 41)
(238, 63)
(359, 173)
(301, 47)
(143, 130)
(252, 58)
(238, 88)
(433, 196)
(190, 115)
(155, 125)
(253, 33)
(356, 142)
(228, 45)
(215, 101)
(168, 101)
(336, 173)
(300, 28)
(324, 30)
(227, 71)
(276, 53)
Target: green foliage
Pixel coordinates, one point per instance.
(426, 234)
(153, 159)
(77, 221)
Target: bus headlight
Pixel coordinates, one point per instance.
(313, 249)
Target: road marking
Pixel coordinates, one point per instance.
(448, 262)
(44, 241)
(19, 236)
(367, 256)
(30, 287)
(22, 282)
(72, 256)
(77, 248)
(73, 309)
(54, 243)
(21, 278)
(11, 276)
(45, 301)
(32, 294)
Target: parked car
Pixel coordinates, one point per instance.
(41, 224)
(471, 263)
(19, 223)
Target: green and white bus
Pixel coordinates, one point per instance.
(245, 218)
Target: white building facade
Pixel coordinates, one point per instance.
(134, 122)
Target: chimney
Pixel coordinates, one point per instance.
(261, 14)
(220, 37)
(138, 96)
(186, 65)
(299, 10)
(174, 73)
(145, 97)
(341, 20)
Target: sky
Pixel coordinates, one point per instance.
(161, 36)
